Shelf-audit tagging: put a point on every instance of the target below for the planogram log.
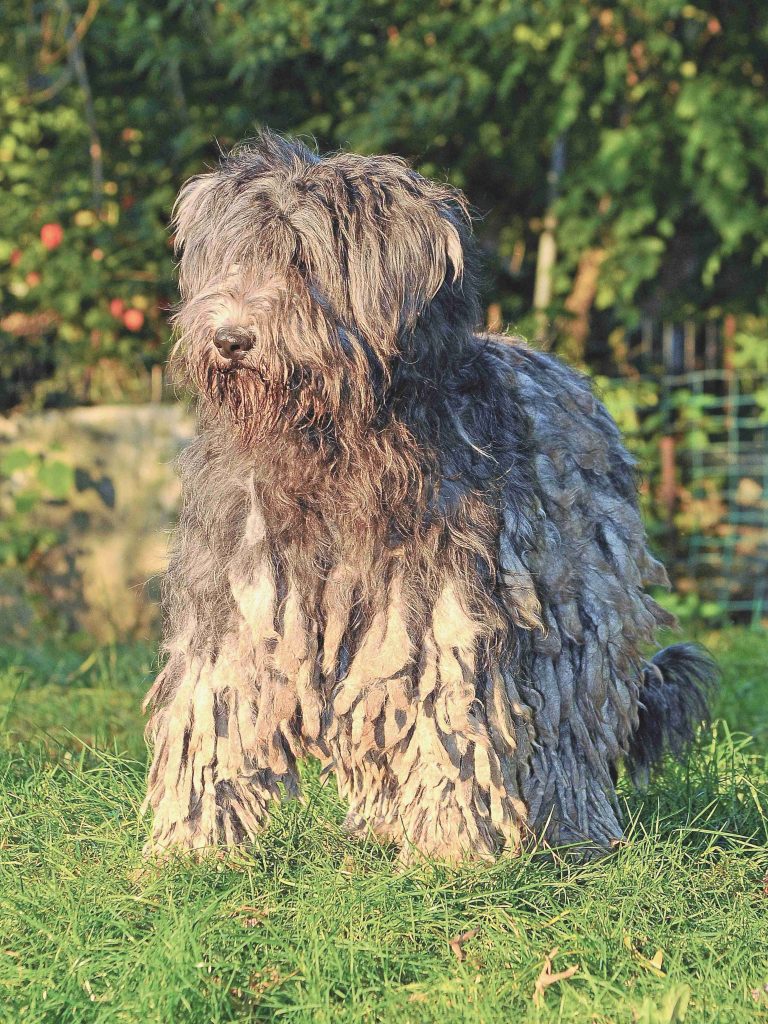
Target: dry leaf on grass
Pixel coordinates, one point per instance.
(457, 944)
(547, 978)
(653, 965)
(418, 997)
(250, 917)
(258, 985)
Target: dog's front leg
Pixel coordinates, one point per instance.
(431, 739)
(224, 710)
(222, 750)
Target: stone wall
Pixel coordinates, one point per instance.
(100, 578)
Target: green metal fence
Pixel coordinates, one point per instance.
(702, 442)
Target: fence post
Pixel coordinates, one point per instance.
(494, 323)
(156, 383)
(689, 346)
(667, 347)
(668, 489)
(710, 345)
(646, 341)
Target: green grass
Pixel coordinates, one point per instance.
(313, 927)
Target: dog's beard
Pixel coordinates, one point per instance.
(270, 398)
(262, 401)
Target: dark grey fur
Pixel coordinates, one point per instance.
(678, 683)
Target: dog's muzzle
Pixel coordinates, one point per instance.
(232, 342)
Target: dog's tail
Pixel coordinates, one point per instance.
(674, 699)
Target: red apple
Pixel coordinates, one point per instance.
(133, 319)
(51, 235)
(117, 308)
(33, 279)
(15, 257)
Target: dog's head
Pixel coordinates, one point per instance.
(304, 280)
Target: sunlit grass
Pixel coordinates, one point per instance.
(311, 926)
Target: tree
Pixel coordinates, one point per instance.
(660, 108)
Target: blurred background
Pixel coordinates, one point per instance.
(616, 158)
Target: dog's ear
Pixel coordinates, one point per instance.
(189, 207)
(437, 247)
(190, 215)
(409, 255)
(454, 249)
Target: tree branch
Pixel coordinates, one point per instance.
(77, 62)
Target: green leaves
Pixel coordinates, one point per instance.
(26, 479)
(15, 459)
(57, 478)
(663, 111)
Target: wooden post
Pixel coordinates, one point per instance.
(689, 346)
(547, 256)
(710, 345)
(156, 383)
(646, 340)
(668, 489)
(494, 323)
(545, 262)
(729, 329)
(667, 343)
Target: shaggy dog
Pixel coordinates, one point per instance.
(405, 549)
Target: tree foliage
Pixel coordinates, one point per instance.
(659, 107)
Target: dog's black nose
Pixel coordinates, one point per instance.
(232, 342)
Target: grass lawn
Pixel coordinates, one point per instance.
(313, 927)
